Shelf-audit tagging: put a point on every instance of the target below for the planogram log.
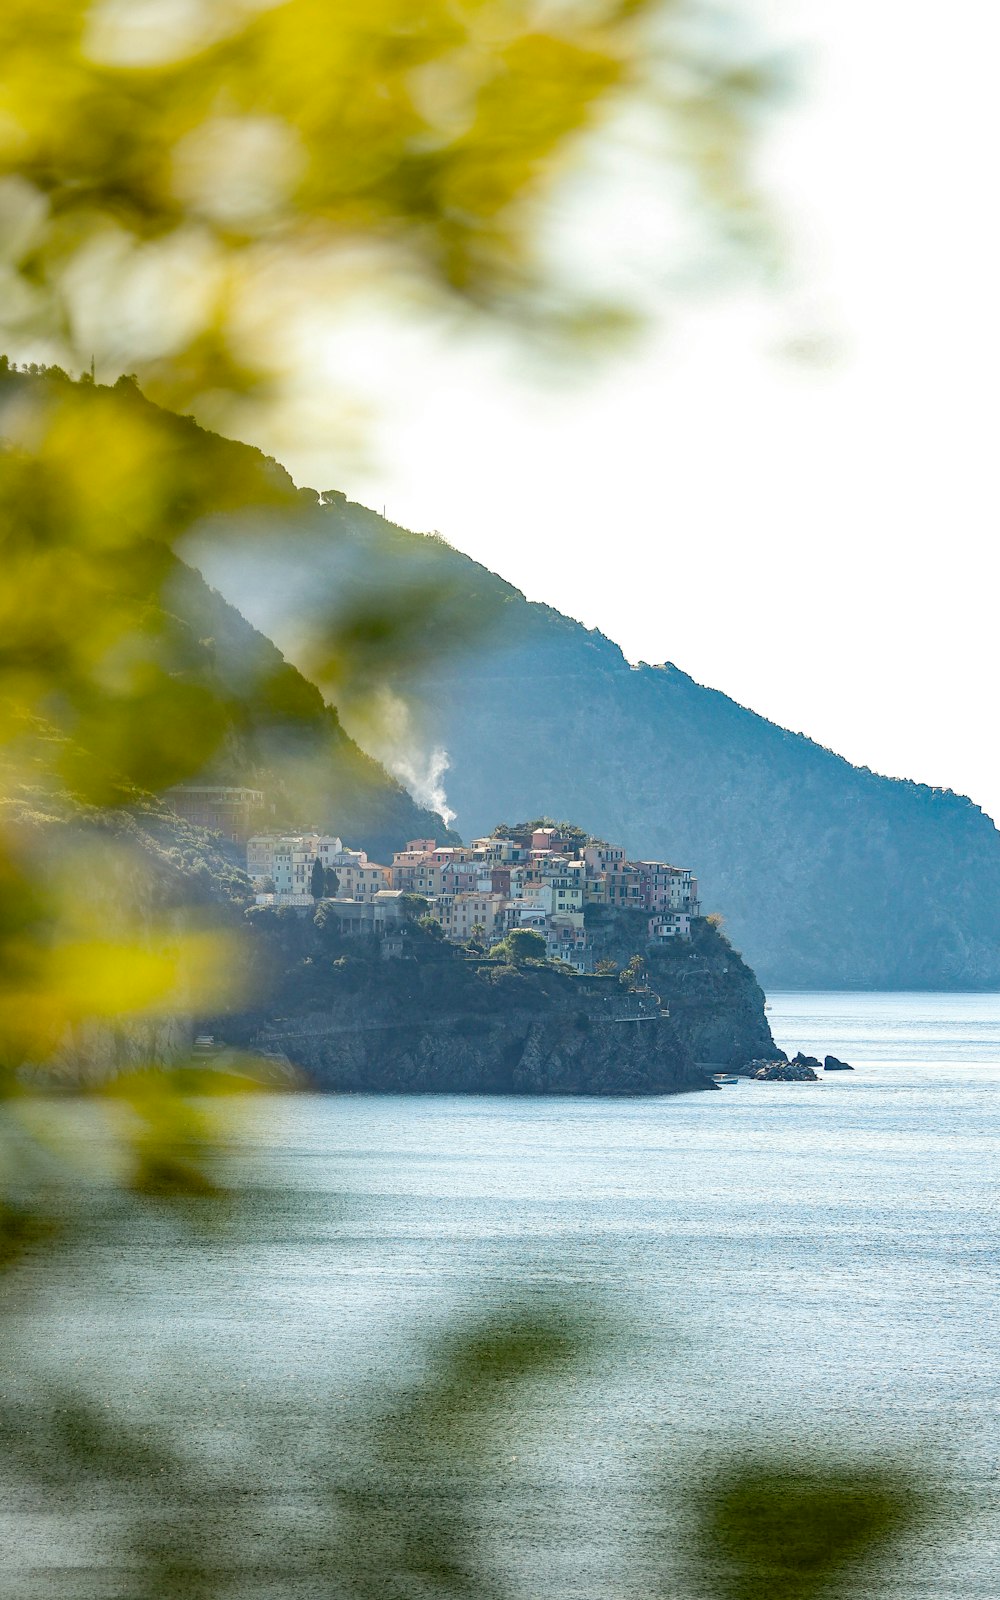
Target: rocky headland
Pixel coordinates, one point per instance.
(438, 1019)
(408, 1014)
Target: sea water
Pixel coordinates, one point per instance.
(804, 1268)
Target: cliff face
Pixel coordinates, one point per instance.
(436, 1022)
(537, 1051)
(715, 1003)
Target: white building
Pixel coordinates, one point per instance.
(361, 882)
(270, 854)
(669, 925)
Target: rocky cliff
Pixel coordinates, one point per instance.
(715, 1003)
(544, 1048)
(437, 1020)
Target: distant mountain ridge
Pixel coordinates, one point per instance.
(828, 875)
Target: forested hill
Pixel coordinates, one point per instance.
(283, 737)
(223, 705)
(827, 874)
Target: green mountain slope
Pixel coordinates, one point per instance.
(284, 738)
(208, 697)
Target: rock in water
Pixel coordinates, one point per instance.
(785, 1072)
(831, 1064)
(812, 1062)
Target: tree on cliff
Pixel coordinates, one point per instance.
(521, 945)
(633, 976)
(569, 833)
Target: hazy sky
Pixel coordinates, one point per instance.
(815, 537)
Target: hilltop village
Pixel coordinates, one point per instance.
(531, 877)
(537, 960)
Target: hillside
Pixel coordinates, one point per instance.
(282, 736)
(827, 874)
(215, 701)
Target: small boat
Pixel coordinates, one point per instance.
(724, 1077)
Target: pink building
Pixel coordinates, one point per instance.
(624, 888)
(668, 888)
(462, 877)
(601, 857)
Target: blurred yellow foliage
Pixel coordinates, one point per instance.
(174, 179)
(101, 978)
(175, 175)
(169, 173)
(171, 1129)
(781, 1529)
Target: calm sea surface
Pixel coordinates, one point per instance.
(814, 1267)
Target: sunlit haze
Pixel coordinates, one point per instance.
(787, 493)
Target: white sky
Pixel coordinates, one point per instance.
(816, 539)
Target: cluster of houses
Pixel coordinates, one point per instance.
(543, 881)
